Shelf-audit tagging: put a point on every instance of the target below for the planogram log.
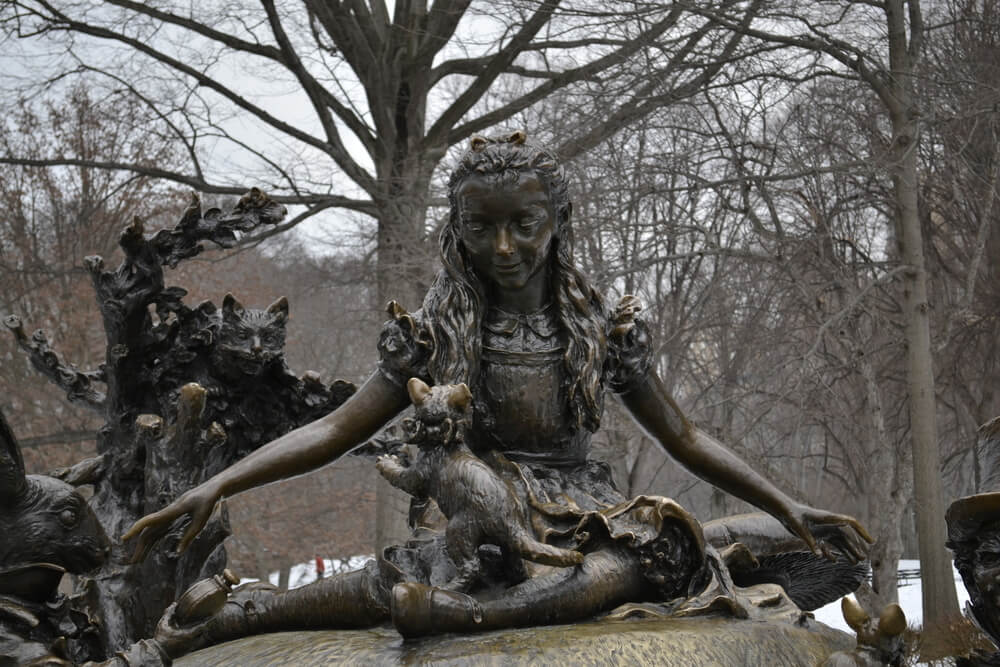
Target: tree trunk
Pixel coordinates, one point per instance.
(887, 498)
(940, 603)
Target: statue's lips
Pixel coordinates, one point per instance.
(507, 268)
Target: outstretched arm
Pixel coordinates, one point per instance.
(654, 410)
(300, 451)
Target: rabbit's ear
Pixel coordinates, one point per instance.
(12, 481)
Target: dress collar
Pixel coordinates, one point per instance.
(542, 322)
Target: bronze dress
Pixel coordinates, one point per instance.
(523, 428)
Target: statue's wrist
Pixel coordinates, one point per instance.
(226, 483)
(788, 512)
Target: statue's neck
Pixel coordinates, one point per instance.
(534, 295)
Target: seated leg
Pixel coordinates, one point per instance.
(350, 600)
(605, 580)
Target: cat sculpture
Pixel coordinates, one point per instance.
(480, 506)
(237, 354)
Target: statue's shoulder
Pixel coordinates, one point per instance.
(630, 347)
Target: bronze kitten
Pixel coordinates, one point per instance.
(480, 506)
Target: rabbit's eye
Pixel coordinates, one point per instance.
(68, 517)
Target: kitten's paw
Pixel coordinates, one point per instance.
(388, 463)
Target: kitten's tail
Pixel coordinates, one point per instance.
(546, 554)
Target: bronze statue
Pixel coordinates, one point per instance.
(163, 434)
(974, 538)
(512, 317)
(46, 530)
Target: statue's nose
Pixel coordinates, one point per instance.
(504, 243)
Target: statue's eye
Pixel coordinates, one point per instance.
(989, 558)
(68, 517)
(475, 226)
(531, 217)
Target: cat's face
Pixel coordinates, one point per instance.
(442, 412)
(250, 340)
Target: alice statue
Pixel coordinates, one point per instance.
(512, 318)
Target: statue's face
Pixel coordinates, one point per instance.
(986, 568)
(507, 229)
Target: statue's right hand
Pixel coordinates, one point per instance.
(196, 504)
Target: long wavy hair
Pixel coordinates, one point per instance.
(455, 305)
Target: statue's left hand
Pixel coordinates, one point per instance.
(177, 640)
(828, 534)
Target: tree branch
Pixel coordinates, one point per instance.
(320, 98)
(62, 22)
(360, 205)
(440, 130)
(458, 134)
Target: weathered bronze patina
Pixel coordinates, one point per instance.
(512, 318)
(670, 642)
(184, 392)
(46, 529)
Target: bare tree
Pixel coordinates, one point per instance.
(52, 219)
(843, 41)
(960, 161)
(385, 95)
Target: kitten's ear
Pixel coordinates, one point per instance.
(279, 309)
(418, 390)
(230, 306)
(460, 397)
(13, 484)
(855, 616)
(206, 308)
(892, 620)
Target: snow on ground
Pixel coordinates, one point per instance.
(909, 599)
(305, 573)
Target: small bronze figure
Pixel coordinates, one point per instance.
(880, 640)
(480, 506)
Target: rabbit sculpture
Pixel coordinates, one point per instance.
(43, 519)
(46, 529)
